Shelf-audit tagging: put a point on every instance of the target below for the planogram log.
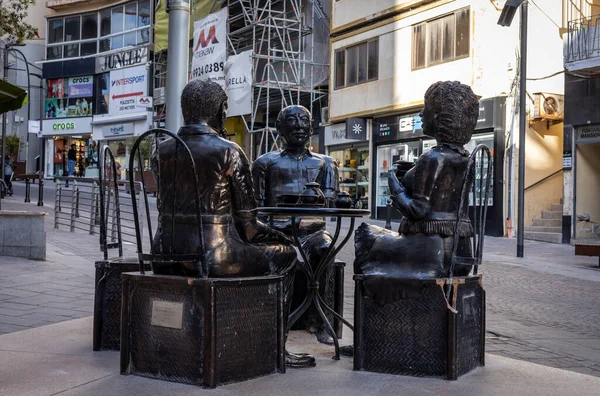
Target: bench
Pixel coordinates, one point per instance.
(588, 249)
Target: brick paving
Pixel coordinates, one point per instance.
(541, 309)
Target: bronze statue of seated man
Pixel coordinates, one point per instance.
(428, 197)
(235, 242)
(285, 173)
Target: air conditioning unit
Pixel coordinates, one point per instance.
(159, 96)
(548, 106)
(325, 116)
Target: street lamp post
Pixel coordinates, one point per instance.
(177, 61)
(508, 12)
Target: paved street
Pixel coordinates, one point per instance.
(541, 309)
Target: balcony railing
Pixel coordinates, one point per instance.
(583, 39)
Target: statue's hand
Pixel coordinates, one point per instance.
(393, 183)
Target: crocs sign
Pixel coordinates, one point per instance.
(71, 126)
(63, 126)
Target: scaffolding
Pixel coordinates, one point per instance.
(289, 40)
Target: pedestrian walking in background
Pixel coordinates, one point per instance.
(8, 172)
(72, 156)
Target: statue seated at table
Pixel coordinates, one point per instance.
(285, 173)
(428, 197)
(236, 243)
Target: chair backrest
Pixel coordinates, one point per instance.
(475, 191)
(107, 180)
(160, 136)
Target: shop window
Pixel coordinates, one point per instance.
(340, 73)
(104, 23)
(72, 28)
(357, 64)
(55, 31)
(101, 85)
(116, 21)
(126, 25)
(69, 97)
(441, 40)
(89, 48)
(144, 13)
(89, 26)
(53, 53)
(130, 16)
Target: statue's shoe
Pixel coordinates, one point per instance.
(299, 360)
(323, 336)
(347, 350)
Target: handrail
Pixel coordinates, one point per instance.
(543, 180)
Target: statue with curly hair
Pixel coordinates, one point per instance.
(428, 197)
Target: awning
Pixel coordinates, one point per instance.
(11, 97)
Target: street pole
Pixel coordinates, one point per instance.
(177, 61)
(41, 142)
(4, 114)
(522, 131)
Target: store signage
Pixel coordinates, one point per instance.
(239, 84)
(119, 60)
(356, 128)
(34, 126)
(210, 48)
(118, 129)
(397, 127)
(71, 126)
(409, 124)
(588, 134)
(568, 132)
(144, 101)
(81, 87)
(125, 87)
(336, 134)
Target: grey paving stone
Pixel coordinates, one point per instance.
(9, 328)
(19, 306)
(20, 321)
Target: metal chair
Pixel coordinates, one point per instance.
(171, 325)
(441, 331)
(108, 283)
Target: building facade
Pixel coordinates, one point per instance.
(24, 71)
(98, 81)
(581, 212)
(385, 54)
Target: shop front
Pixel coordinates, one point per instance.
(401, 138)
(122, 86)
(352, 157)
(60, 135)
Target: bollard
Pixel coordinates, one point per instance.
(388, 215)
(57, 204)
(76, 199)
(27, 190)
(73, 199)
(41, 190)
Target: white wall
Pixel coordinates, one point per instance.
(490, 70)
(348, 11)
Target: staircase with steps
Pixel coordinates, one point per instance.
(548, 227)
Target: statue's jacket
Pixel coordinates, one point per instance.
(235, 242)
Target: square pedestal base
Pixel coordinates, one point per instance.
(202, 331)
(421, 336)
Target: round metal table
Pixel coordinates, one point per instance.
(313, 296)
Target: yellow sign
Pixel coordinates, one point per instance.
(199, 9)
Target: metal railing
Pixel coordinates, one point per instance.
(583, 39)
(77, 208)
